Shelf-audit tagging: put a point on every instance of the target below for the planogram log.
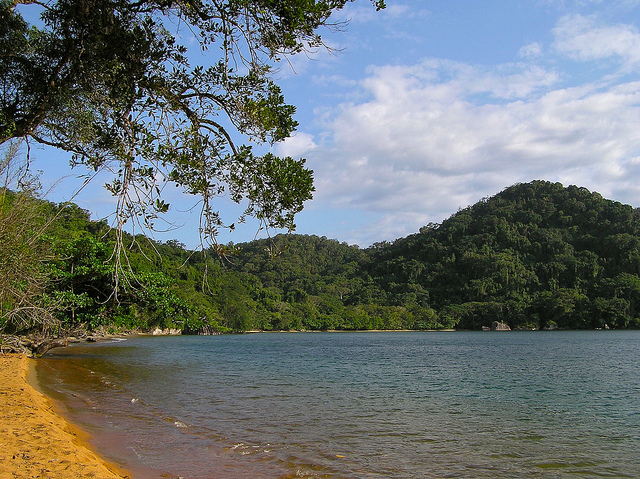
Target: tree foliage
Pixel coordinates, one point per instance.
(536, 255)
(24, 251)
(545, 254)
(112, 83)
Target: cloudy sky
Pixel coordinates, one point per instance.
(429, 106)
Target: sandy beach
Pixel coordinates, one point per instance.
(35, 442)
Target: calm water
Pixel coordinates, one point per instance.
(359, 405)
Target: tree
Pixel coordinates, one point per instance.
(110, 82)
(23, 254)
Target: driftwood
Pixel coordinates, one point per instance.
(32, 346)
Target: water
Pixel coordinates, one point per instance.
(359, 405)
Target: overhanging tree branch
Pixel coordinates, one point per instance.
(107, 81)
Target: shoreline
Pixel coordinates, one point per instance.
(35, 441)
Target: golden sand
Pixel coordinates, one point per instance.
(35, 442)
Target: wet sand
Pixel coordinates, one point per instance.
(35, 442)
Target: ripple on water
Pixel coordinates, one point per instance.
(383, 405)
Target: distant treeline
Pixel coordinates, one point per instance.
(536, 255)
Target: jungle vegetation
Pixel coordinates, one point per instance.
(113, 84)
(534, 256)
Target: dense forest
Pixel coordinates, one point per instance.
(534, 256)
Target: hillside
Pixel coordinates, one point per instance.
(536, 255)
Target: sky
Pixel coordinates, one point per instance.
(427, 107)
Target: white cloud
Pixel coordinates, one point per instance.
(582, 39)
(439, 135)
(533, 50)
(296, 146)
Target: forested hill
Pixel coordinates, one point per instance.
(536, 255)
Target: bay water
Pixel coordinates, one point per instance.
(560, 404)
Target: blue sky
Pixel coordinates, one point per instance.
(429, 106)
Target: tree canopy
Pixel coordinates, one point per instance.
(112, 83)
(536, 255)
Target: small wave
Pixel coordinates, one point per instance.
(245, 449)
(180, 424)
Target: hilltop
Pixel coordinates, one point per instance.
(534, 255)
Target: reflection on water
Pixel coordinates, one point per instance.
(359, 405)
